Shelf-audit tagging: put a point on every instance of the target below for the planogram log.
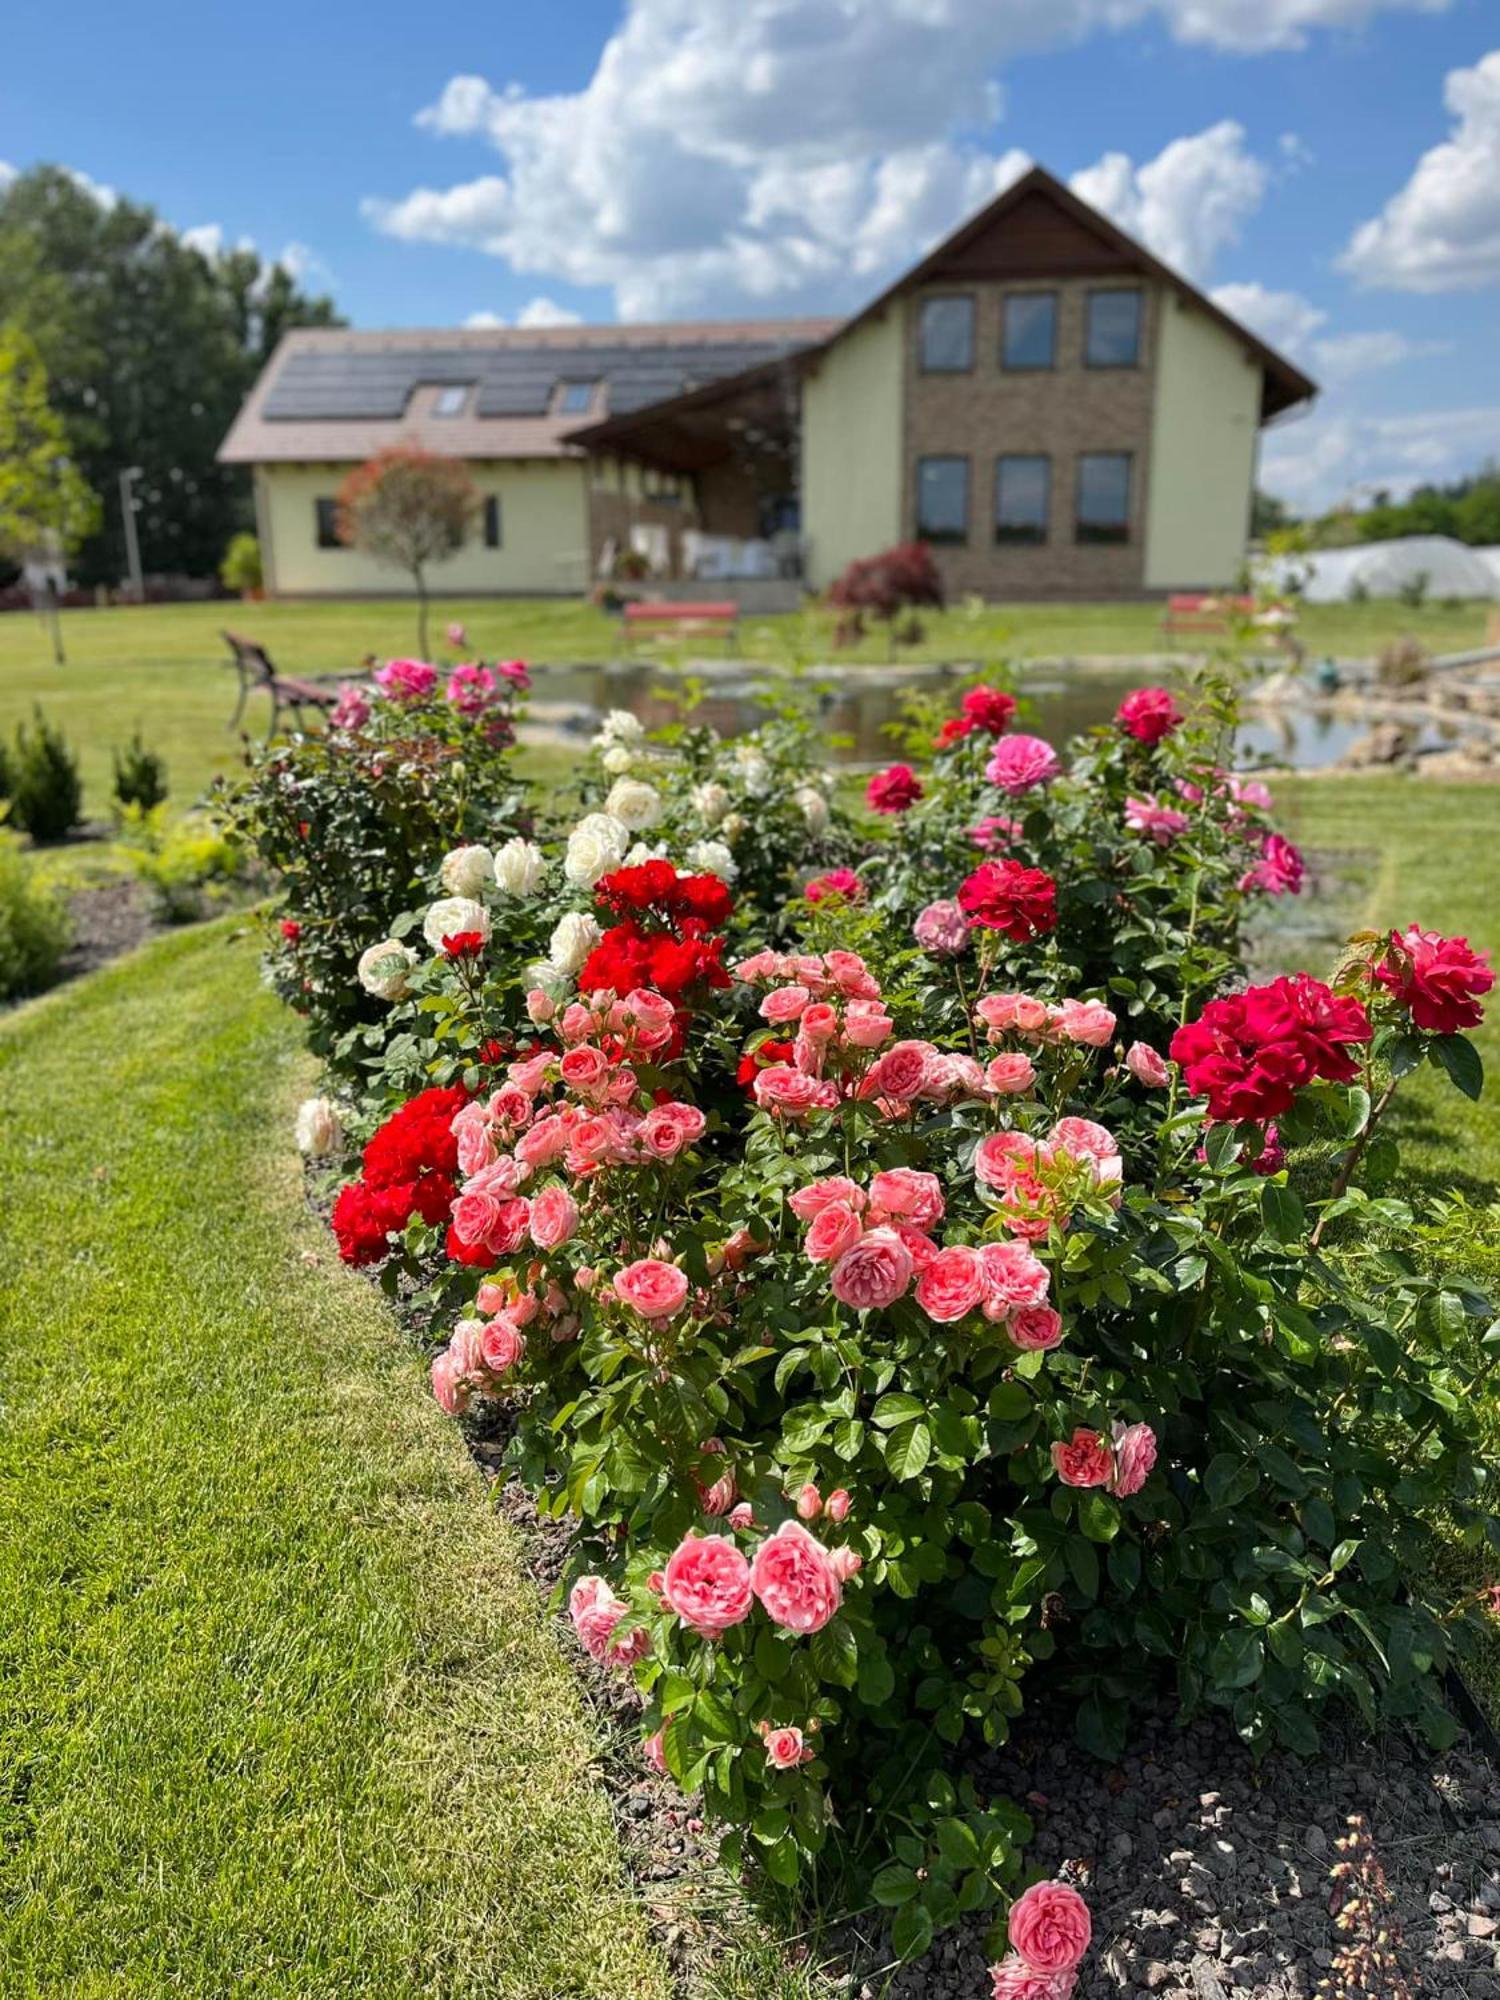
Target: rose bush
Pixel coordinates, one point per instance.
(899, 1296)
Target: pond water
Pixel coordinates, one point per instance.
(856, 705)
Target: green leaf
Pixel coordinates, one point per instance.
(896, 1409)
(782, 1862)
(956, 1843)
(1228, 1479)
(894, 1885)
(772, 1655)
(877, 1679)
(908, 1449)
(911, 1933)
(1459, 1057)
(1238, 1660)
(1098, 1516)
(1282, 1213)
(835, 1653)
(1100, 1726)
(715, 1716)
(1084, 1563)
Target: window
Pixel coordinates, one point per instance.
(1113, 336)
(1023, 493)
(947, 336)
(1104, 496)
(575, 399)
(327, 512)
(1029, 339)
(943, 499)
(492, 521)
(450, 402)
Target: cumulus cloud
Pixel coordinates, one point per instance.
(1441, 232)
(1285, 319)
(536, 312)
(1349, 455)
(781, 154)
(1342, 356)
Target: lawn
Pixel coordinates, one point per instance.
(162, 668)
(279, 1713)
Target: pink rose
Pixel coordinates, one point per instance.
(502, 1344)
(942, 929)
(651, 1288)
(789, 1093)
(1088, 1022)
(1014, 1979)
(784, 1003)
(1020, 763)
(654, 1752)
(476, 1143)
(1035, 1329)
(596, 1612)
(406, 680)
(1000, 1156)
(1158, 822)
(1135, 1454)
(1010, 1074)
(952, 1284)
(1013, 1277)
(717, 1498)
(554, 1217)
(874, 1272)
(1146, 1066)
(546, 1141)
(742, 1516)
(707, 1584)
(900, 1073)
(809, 1503)
(663, 1135)
(995, 831)
(540, 1007)
(833, 1231)
(1013, 1013)
(1084, 1460)
(585, 1070)
(852, 976)
(450, 1385)
(351, 710)
(817, 1195)
(837, 1505)
(1087, 1141)
(906, 1195)
(795, 1580)
(785, 1748)
(1050, 1927)
(867, 1024)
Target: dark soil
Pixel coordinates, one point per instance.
(107, 921)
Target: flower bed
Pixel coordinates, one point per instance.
(935, 1277)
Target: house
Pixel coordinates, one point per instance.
(1052, 408)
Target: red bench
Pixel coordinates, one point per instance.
(682, 615)
(1202, 611)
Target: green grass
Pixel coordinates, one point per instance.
(159, 667)
(279, 1713)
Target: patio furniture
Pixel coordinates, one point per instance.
(254, 666)
(1199, 611)
(685, 616)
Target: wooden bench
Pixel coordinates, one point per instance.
(253, 664)
(1202, 611)
(685, 615)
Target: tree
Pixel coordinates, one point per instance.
(898, 579)
(46, 505)
(408, 508)
(1267, 514)
(150, 347)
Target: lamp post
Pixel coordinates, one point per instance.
(132, 543)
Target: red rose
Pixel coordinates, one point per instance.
(954, 730)
(463, 944)
(1437, 979)
(630, 890)
(989, 709)
(1250, 1053)
(704, 897)
(290, 930)
(894, 790)
(1004, 896)
(766, 1056)
(1148, 715)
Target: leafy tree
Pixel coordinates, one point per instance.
(241, 568)
(150, 347)
(45, 502)
(1267, 514)
(409, 509)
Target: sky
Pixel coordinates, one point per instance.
(1328, 169)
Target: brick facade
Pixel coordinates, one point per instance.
(1059, 412)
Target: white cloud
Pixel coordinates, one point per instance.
(1189, 202)
(483, 320)
(207, 238)
(1285, 319)
(1347, 455)
(1441, 232)
(1253, 27)
(547, 312)
(8, 173)
(1344, 355)
(95, 190)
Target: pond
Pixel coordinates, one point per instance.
(857, 705)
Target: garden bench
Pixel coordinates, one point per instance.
(1200, 611)
(253, 664)
(682, 616)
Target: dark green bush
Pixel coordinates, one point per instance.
(33, 926)
(140, 776)
(46, 796)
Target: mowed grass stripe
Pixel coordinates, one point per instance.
(278, 1710)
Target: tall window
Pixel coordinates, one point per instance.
(575, 399)
(943, 499)
(492, 521)
(327, 512)
(1104, 496)
(1023, 493)
(1112, 337)
(947, 336)
(1029, 339)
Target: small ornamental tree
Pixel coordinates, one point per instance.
(408, 508)
(900, 579)
(46, 507)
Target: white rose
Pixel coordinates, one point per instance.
(595, 845)
(712, 857)
(467, 871)
(383, 968)
(641, 852)
(733, 826)
(755, 772)
(546, 976)
(618, 759)
(519, 867)
(620, 726)
(319, 1130)
(634, 803)
(710, 802)
(572, 941)
(453, 915)
(813, 808)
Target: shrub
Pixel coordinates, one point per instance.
(33, 925)
(140, 776)
(899, 579)
(241, 568)
(1403, 663)
(188, 865)
(45, 792)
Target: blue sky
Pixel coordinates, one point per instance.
(1330, 168)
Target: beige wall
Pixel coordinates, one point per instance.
(1203, 442)
(851, 449)
(544, 534)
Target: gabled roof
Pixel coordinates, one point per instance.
(1038, 228)
(330, 395)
